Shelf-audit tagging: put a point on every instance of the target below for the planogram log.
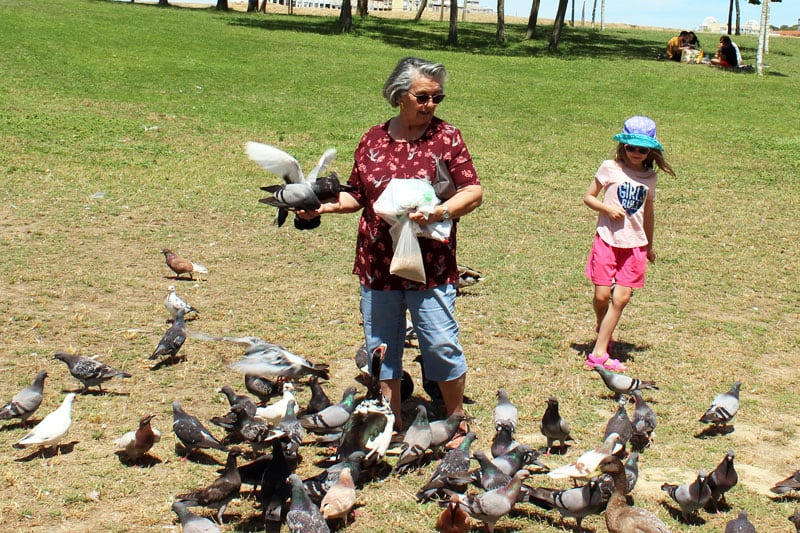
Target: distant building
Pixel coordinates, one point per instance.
(473, 6)
(712, 25)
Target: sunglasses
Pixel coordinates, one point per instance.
(642, 150)
(422, 99)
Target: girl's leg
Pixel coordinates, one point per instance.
(601, 301)
(609, 321)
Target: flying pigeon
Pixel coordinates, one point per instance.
(219, 494)
(191, 432)
(173, 338)
(740, 524)
(791, 483)
(587, 463)
(553, 426)
(452, 471)
(722, 479)
(319, 400)
(490, 506)
(622, 384)
(26, 401)
(453, 519)
(340, 498)
(297, 191)
(416, 442)
(319, 485)
(620, 517)
(503, 440)
(179, 265)
(690, 496)
(644, 422)
(52, 429)
(192, 523)
(173, 302)
(273, 361)
(274, 412)
(723, 408)
(577, 502)
(505, 410)
(90, 372)
(303, 515)
(135, 444)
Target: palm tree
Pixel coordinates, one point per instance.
(558, 24)
(500, 36)
(530, 32)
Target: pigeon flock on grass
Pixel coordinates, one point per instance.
(269, 431)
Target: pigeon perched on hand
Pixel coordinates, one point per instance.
(622, 384)
(26, 401)
(191, 432)
(52, 429)
(135, 444)
(723, 408)
(273, 361)
(90, 372)
(192, 523)
(180, 266)
(554, 427)
(173, 302)
(690, 496)
(740, 524)
(172, 340)
(219, 494)
(298, 191)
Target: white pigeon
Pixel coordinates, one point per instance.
(49, 432)
(588, 462)
(173, 303)
(274, 412)
(273, 361)
(297, 191)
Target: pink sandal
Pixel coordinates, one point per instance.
(596, 360)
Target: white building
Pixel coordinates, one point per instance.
(712, 25)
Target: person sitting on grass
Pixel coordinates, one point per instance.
(726, 54)
(676, 45)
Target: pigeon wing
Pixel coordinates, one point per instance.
(276, 161)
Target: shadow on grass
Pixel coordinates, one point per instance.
(474, 38)
(675, 513)
(45, 453)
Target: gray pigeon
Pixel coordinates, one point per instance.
(740, 524)
(173, 338)
(503, 441)
(444, 430)
(622, 384)
(262, 388)
(303, 515)
(293, 431)
(246, 402)
(255, 432)
(330, 421)
(690, 496)
(416, 442)
(722, 479)
(490, 506)
(517, 458)
(452, 471)
(488, 475)
(644, 422)
(631, 477)
(620, 424)
(795, 519)
(317, 486)
(577, 503)
(273, 361)
(554, 427)
(505, 410)
(191, 432)
(90, 372)
(791, 483)
(723, 408)
(192, 523)
(219, 494)
(26, 401)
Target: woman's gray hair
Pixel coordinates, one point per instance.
(402, 76)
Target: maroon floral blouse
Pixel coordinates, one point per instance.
(378, 159)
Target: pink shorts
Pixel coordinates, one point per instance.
(608, 265)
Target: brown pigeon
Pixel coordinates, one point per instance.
(180, 266)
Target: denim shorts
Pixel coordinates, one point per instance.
(384, 314)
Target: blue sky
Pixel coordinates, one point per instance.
(683, 14)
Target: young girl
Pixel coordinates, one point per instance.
(623, 243)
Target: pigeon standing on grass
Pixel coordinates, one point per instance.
(517, 458)
(275, 488)
(503, 441)
(261, 388)
(180, 266)
(173, 303)
(90, 372)
(340, 498)
(740, 524)
(723, 408)
(722, 479)
(644, 422)
(795, 519)
(330, 421)
(192, 523)
(588, 462)
(219, 494)
(173, 338)
(453, 519)
(631, 477)
(292, 430)
(319, 400)
(26, 401)
(690, 496)
(620, 424)
(319, 485)
(52, 429)
(135, 444)
(416, 442)
(554, 427)
(274, 412)
(444, 430)
(303, 515)
(791, 483)
(577, 503)
(191, 432)
(452, 471)
(505, 411)
(490, 506)
(622, 384)
(467, 277)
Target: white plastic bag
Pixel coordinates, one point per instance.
(407, 259)
(403, 196)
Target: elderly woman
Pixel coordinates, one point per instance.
(409, 145)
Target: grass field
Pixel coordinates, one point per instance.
(122, 129)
